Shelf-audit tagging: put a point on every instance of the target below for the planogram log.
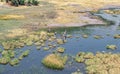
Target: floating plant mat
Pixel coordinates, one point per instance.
(29, 51)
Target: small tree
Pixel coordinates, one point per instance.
(35, 2)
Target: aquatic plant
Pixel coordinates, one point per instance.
(45, 48)
(60, 41)
(42, 41)
(38, 47)
(54, 45)
(54, 61)
(50, 39)
(5, 53)
(85, 36)
(97, 36)
(81, 54)
(1, 50)
(21, 44)
(51, 46)
(69, 36)
(25, 53)
(79, 59)
(60, 49)
(6, 45)
(103, 63)
(50, 34)
(117, 36)
(20, 57)
(13, 62)
(112, 47)
(88, 55)
(90, 62)
(92, 69)
(37, 43)
(43, 44)
(4, 60)
(29, 43)
(11, 53)
(77, 72)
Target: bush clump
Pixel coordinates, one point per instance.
(23, 2)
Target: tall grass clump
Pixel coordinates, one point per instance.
(54, 61)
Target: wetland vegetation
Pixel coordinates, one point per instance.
(60, 37)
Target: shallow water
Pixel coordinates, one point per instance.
(115, 18)
(32, 64)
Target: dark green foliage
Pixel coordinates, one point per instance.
(23, 2)
(35, 2)
(14, 2)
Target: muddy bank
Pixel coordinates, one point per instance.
(87, 19)
(93, 19)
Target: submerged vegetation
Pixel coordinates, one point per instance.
(97, 37)
(85, 36)
(77, 72)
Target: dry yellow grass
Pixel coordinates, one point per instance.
(112, 11)
(16, 32)
(86, 3)
(64, 17)
(8, 17)
(64, 8)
